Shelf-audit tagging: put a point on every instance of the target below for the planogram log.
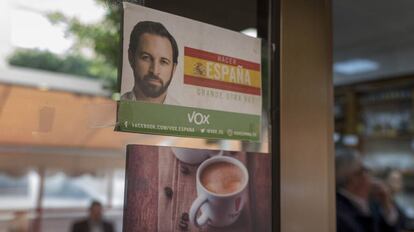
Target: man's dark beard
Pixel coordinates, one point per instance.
(151, 90)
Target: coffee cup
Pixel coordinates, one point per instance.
(221, 183)
(194, 156)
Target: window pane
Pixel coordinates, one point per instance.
(66, 191)
(118, 188)
(18, 192)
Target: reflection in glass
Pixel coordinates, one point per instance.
(18, 192)
(62, 190)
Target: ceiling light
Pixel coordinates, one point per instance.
(350, 140)
(355, 66)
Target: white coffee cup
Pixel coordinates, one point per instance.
(194, 156)
(218, 209)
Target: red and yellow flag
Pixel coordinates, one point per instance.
(207, 69)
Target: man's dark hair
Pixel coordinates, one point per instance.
(95, 203)
(154, 28)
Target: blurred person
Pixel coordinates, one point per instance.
(20, 222)
(393, 178)
(153, 57)
(363, 204)
(94, 222)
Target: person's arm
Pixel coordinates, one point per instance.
(383, 196)
(388, 210)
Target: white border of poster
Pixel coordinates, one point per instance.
(213, 90)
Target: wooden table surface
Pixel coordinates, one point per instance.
(150, 169)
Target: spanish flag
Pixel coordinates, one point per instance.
(207, 69)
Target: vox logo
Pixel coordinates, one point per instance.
(198, 118)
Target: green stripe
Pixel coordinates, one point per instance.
(149, 118)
